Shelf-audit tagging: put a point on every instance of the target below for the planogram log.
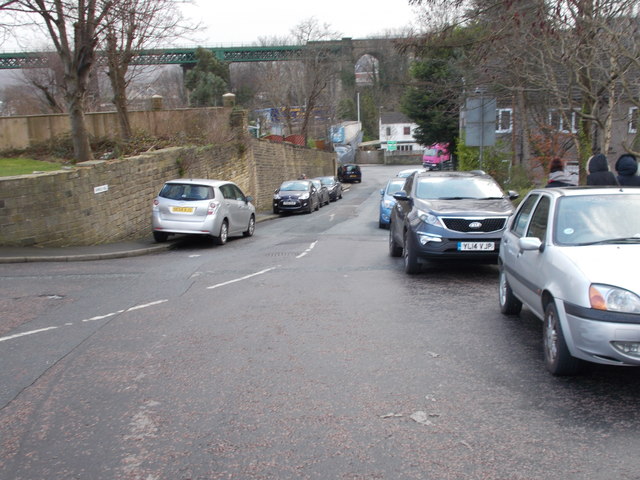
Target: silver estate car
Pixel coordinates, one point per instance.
(571, 256)
(200, 206)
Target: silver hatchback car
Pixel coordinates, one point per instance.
(571, 256)
(200, 206)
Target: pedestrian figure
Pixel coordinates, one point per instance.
(558, 177)
(598, 172)
(627, 168)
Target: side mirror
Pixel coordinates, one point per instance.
(401, 195)
(513, 195)
(382, 191)
(276, 190)
(248, 199)
(530, 244)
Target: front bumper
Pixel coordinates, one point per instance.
(593, 334)
(430, 246)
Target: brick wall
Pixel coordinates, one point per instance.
(69, 207)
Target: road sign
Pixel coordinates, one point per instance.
(392, 145)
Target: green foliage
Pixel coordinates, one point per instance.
(348, 78)
(207, 81)
(347, 110)
(496, 160)
(369, 115)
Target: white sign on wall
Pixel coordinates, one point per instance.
(100, 189)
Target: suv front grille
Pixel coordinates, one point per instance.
(492, 224)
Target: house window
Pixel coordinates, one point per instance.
(405, 148)
(504, 122)
(388, 131)
(407, 130)
(563, 120)
(633, 119)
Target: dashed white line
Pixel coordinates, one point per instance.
(307, 250)
(17, 335)
(138, 307)
(92, 319)
(241, 278)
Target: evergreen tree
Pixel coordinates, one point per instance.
(207, 81)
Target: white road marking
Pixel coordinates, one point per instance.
(241, 278)
(11, 337)
(146, 305)
(92, 319)
(138, 307)
(101, 317)
(307, 250)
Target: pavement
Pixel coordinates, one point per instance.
(131, 248)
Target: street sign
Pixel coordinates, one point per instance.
(392, 145)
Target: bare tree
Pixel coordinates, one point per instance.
(131, 26)
(74, 29)
(320, 66)
(49, 83)
(571, 60)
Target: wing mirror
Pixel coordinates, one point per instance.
(529, 244)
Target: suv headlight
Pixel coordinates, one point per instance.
(429, 219)
(304, 196)
(614, 299)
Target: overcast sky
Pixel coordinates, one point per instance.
(245, 21)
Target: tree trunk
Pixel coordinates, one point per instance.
(118, 85)
(75, 91)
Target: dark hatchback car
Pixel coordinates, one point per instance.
(296, 196)
(448, 215)
(334, 187)
(349, 173)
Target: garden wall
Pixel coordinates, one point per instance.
(108, 201)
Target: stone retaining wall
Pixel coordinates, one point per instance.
(109, 201)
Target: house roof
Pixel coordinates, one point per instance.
(394, 117)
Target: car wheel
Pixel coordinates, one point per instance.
(411, 264)
(318, 205)
(395, 250)
(160, 237)
(221, 239)
(381, 225)
(557, 358)
(251, 228)
(275, 211)
(340, 196)
(509, 304)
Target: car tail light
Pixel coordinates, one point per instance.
(212, 208)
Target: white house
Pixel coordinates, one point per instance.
(396, 133)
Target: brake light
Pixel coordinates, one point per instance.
(212, 208)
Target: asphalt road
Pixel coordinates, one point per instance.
(302, 352)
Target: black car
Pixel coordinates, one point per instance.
(349, 173)
(334, 187)
(296, 196)
(448, 215)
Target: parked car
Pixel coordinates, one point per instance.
(448, 215)
(323, 192)
(204, 207)
(296, 196)
(387, 201)
(570, 256)
(408, 172)
(334, 187)
(349, 173)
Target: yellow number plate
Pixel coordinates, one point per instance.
(181, 209)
